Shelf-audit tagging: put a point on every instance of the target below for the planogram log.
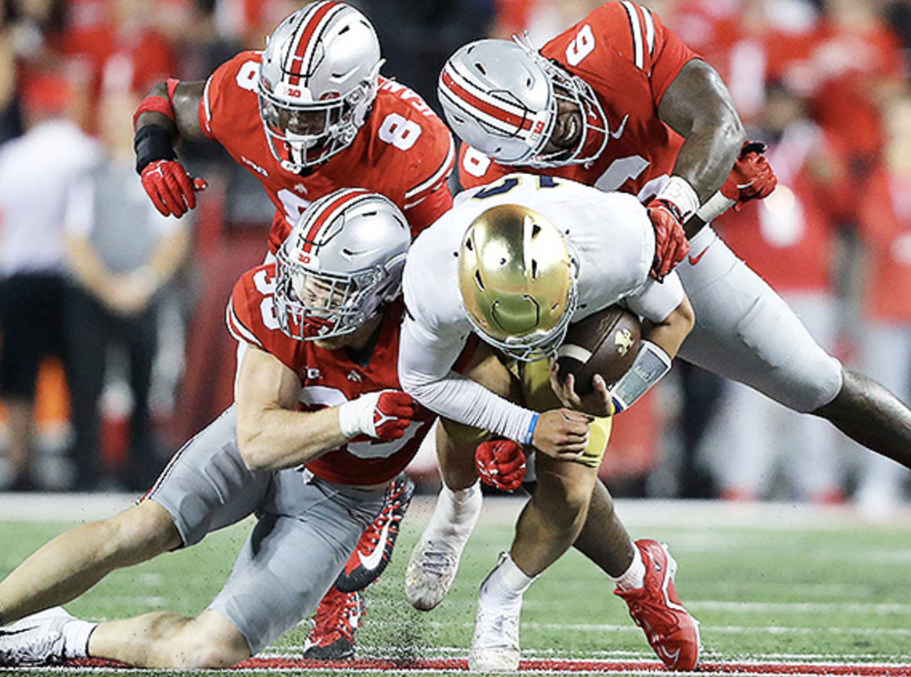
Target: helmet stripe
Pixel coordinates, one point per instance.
(327, 213)
(304, 47)
(492, 108)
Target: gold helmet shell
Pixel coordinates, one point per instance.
(518, 281)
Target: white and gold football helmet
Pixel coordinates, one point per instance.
(517, 279)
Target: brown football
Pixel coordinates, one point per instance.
(604, 343)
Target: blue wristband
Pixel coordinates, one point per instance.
(530, 433)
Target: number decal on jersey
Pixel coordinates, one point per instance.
(400, 132)
(248, 75)
(581, 46)
(620, 171)
(293, 203)
(265, 285)
(318, 397)
(507, 184)
(475, 162)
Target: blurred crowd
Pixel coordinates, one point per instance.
(110, 314)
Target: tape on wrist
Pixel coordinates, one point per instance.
(714, 207)
(530, 433)
(681, 194)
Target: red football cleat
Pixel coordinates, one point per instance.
(338, 616)
(373, 551)
(672, 632)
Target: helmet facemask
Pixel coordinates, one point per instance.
(537, 345)
(313, 305)
(305, 134)
(576, 92)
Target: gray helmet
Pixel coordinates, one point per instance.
(318, 79)
(502, 97)
(341, 261)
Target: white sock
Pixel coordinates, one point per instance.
(76, 635)
(634, 576)
(456, 513)
(506, 583)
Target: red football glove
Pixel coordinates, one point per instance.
(172, 190)
(752, 177)
(391, 415)
(671, 246)
(500, 464)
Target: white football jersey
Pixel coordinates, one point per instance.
(609, 235)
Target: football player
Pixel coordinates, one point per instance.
(308, 115)
(515, 262)
(619, 102)
(319, 432)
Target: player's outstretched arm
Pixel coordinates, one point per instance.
(698, 106)
(167, 114)
(273, 435)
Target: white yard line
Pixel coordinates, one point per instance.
(692, 515)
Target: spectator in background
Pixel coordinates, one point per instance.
(789, 240)
(121, 252)
(36, 171)
(114, 44)
(417, 36)
(885, 343)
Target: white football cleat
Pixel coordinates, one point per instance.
(435, 559)
(36, 639)
(495, 644)
(431, 571)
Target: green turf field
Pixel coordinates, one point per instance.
(769, 583)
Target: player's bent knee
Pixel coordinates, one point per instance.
(209, 641)
(143, 531)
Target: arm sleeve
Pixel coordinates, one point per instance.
(425, 373)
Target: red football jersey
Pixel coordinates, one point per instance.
(629, 58)
(330, 378)
(403, 151)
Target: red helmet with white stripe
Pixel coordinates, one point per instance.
(318, 79)
(504, 99)
(341, 261)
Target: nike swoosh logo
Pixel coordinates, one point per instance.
(696, 259)
(619, 132)
(372, 561)
(664, 653)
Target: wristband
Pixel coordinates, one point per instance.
(530, 433)
(154, 104)
(714, 207)
(152, 142)
(681, 194)
(650, 365)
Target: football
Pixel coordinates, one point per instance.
(605, 343)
